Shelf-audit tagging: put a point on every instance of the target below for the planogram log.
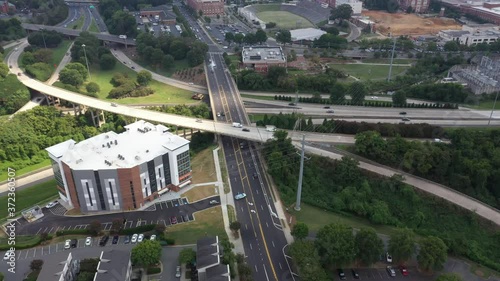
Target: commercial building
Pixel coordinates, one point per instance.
(208, 260)
(5, 7)
(418, 6)
(486, 10)
(471, 35)
(163, 13)
(113, 172)
(482, 77)
(356, 5)
(208, 7)
(306, 34)
(261, 58)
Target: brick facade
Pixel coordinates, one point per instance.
(208, 7)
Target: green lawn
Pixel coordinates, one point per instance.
(388, 60)
(28, 197)
(258, 97)
(486, 105)
(78, 24)
(93, 27)
(316, 218)
(25, 170)
(367, 72)
(178, 65)
(256, 117)
(207, 223)
(284, 19)
(163, 93)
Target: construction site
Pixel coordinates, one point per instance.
(409, 24)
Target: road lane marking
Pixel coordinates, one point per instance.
(256, 270)
(34, 252)
(273, 244)
(281, 267)
(267, 224)
(51, 229)
(251, 246)
(38, 231)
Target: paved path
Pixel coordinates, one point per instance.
(438, 190)
(355, 32)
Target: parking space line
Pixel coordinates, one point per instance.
(161, 207)
(25, 256)
(34, 252)
(51, 229)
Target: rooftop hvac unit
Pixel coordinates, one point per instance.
(137, 157)
(109, 145)
(116, 142)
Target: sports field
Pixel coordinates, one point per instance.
(284, 19)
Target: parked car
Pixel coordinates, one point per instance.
(403, 270)
(178, 272)
(246, 130)
(140, 238)
(355, 274)
(240, 196)
(51, 204)
(88, 241)
(115, 239)
(7, 255)
(74, 243)
(341, 274)
(213, 202)
(134, 238)
(173, 220)
(153, 237)
(388, 257)
(104, 240)
(67, 244)
(127, 240)
(391, 271)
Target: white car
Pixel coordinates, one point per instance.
(213, 202)
(153, 237)
(240, 196)
(51, 204)
(88, 241)
(134, 238)
(7, 255)
(388, 257)
(140, 238)
(178, 272)
(225, 47)
(67, 244)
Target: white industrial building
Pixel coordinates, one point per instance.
(306, 34)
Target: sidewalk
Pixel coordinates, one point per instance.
(29, 179)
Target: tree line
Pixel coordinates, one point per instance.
(13, 94)
(11, 29)
(118, 21)
(341, 186)
(469, 164)
(298, 122)
(45, 12)
(93, 52)
(37, 57)
(125, 87)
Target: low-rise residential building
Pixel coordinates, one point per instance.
(163, 13)
(5, 7)
(208, 260)
(207, 7)
(114, 172)
(261, 58)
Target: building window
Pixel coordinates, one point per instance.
(112, 193)
(58, 175)
(183, 163)
(133, 195)
(88, 191)
(166, 169)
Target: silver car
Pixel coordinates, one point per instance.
(178, 272)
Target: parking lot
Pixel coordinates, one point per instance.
(381, 274)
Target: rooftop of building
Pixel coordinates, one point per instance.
(452, 32)
(263, 55)
(113, 265)
(141, 142)
(218, 272)
(207, 252)
(306, 34)
(157, 8)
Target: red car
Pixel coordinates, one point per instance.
(403, 270)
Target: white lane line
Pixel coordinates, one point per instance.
(251, 246)
(267, 224)
(281, 267)
(262, 208)
(273, 244)
(256, 269)
(246, 226)
(38, 231)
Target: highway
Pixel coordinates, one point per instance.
(73, 15)
(99, 21)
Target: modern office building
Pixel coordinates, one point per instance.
(472, 34)
(261, 58)
(207, 7)
(113, 172)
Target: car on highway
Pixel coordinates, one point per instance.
(133, 67)
(178, 272)
(126, 240)
(19, 74)
(213, 202)
(326, 107)
(114, 104)
(88, 241)
(388, 257)
(402, 113)
(140, 238)
(406, 119)
(115, 239)
(199, 120)
(245, 130)
(355, 274)
(51, 204)
(134, 238)
(173, 220)
(104, 240)
(191, 83)
(240, 196)
(292, 103)
(153, 237)
(391, 271)
(330, 111)
(341, 274)
(67, 244)
(403, 270)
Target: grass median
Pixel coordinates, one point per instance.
(207, 223)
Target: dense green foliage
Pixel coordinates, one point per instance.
(341, 186)
(335, 245)
(95, 53)
(449, 92)
(117, 20)
(13, 94)
(11, 29)
(45, 38)
(306, 258)
(289, 121)
(369, 246)
(39, 70)
(449, 277)
(300, 231)
(125, 87)
(158, 51)
(187, 255)
(44, 12)
(146, 253)
(402, 245)
(469, 164)
(432, 254)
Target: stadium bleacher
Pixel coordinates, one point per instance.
(309, 10)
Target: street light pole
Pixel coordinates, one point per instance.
(86, 61)
(43, 36)
(299, 189)
(493, 109)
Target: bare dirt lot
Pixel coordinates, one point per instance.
(409, 24)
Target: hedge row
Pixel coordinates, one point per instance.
(153, 270)
(72, 232)
(369, 103)
(35, 241)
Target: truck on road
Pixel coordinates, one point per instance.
(122, 36)
(237, 125)
(270, 128)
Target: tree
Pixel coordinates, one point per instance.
(337, 93)
(36, 265)
(402, 244)
(449, 277)
(260, 36)
(94, 227)
(167, 61)
(433, 254)
(342, 12)
(284, 36)
(144, 77)
(235, 226)
(107, 62)
(451, 46)
(160, 228)
(82, 70)
(146, 253)
(116, 225)
(335, 244)
(187, 255)
(122, 22)
(200, 13)
(229, 37)
(369, 246)
(357, 91)
(300, 231)
(71, 77)
(399, 98)
(207, 19)
(43, 55)
(432, 47)
(238, 38)
(92, 88)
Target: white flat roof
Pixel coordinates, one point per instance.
(262, 55)
(306, 34)
(141, 142)
(58, 149)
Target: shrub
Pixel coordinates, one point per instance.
(153, 270)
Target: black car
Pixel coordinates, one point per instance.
(403, 113)
(355, 274)
(115, 239)
(406, 119)
(245, 130)
(104, 240)
(326, 107)
(73, 243)
(292, 103)
(127, 240)
(341, 274)
(330, 111)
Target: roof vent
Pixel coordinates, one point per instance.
(147, 151)
(108, 145)
(116, 142)
(137, 157)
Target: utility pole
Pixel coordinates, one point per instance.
(86, 60)
(392, 59)
(299, 189)
(493, 109)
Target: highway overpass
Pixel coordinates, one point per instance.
(75, 33)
